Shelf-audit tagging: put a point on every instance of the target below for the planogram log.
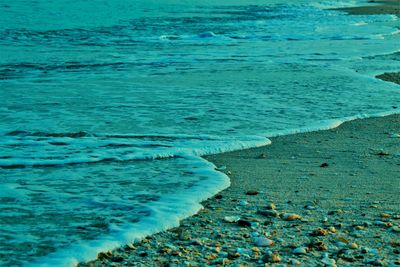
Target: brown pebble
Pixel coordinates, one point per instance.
(319, 245)
(319, 232)
(291, 217)
(272, 258)
(252, 193)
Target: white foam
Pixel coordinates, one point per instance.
(166, 214)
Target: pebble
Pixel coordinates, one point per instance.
(395, 228)
(221, 168)
(309, 207)
(328, 261)
(268, 213)
(300, 250)
(319, 245)
(353, 246)
(231, 219)
(319, 232)
(294, 262)
(291, 217)
(243, 203)
(271, 206)
(252, 193)
(263, 242)
(272, 258)
(332, 229)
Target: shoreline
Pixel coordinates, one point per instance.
(307, 215)
(297, 205)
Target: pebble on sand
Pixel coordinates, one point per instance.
(300, 250)
(263, 242)
(291, 217)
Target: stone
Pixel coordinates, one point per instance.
(353, 246)
(332, 229)
(231, 219)
(252, 193)
(271, 206)
(300, 250)
(268, 213)
(319, 245)
(328, 261)
(319, 232)
(309, 207)
(291, 217)
(263, 242)
(243, 203)
(271, 258)
(324, 165)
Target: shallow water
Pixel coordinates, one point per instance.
(106, 107)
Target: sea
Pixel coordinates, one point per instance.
(106, 107)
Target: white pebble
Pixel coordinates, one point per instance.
(263, 242)
(231, 219)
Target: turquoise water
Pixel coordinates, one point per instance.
(106, 107)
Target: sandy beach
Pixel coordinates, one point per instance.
(326, 198)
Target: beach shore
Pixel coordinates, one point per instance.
(326, 198)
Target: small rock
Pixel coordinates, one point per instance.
(291, 217)
(231, 219)
(309, 207)
(395, 228)
(268, 213)
(385, 224)
(353, 246)
(319, 245)
(333, 212)
(272, 258)
(300, 250)
(324, 165)
(271, 206)
(252, 193)
(327, 261)
(221, 168)
(262, 156)
(382, 153)
(319, 232)
(332, 229)
(294, 262)
(243, 203)
(263, 242)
